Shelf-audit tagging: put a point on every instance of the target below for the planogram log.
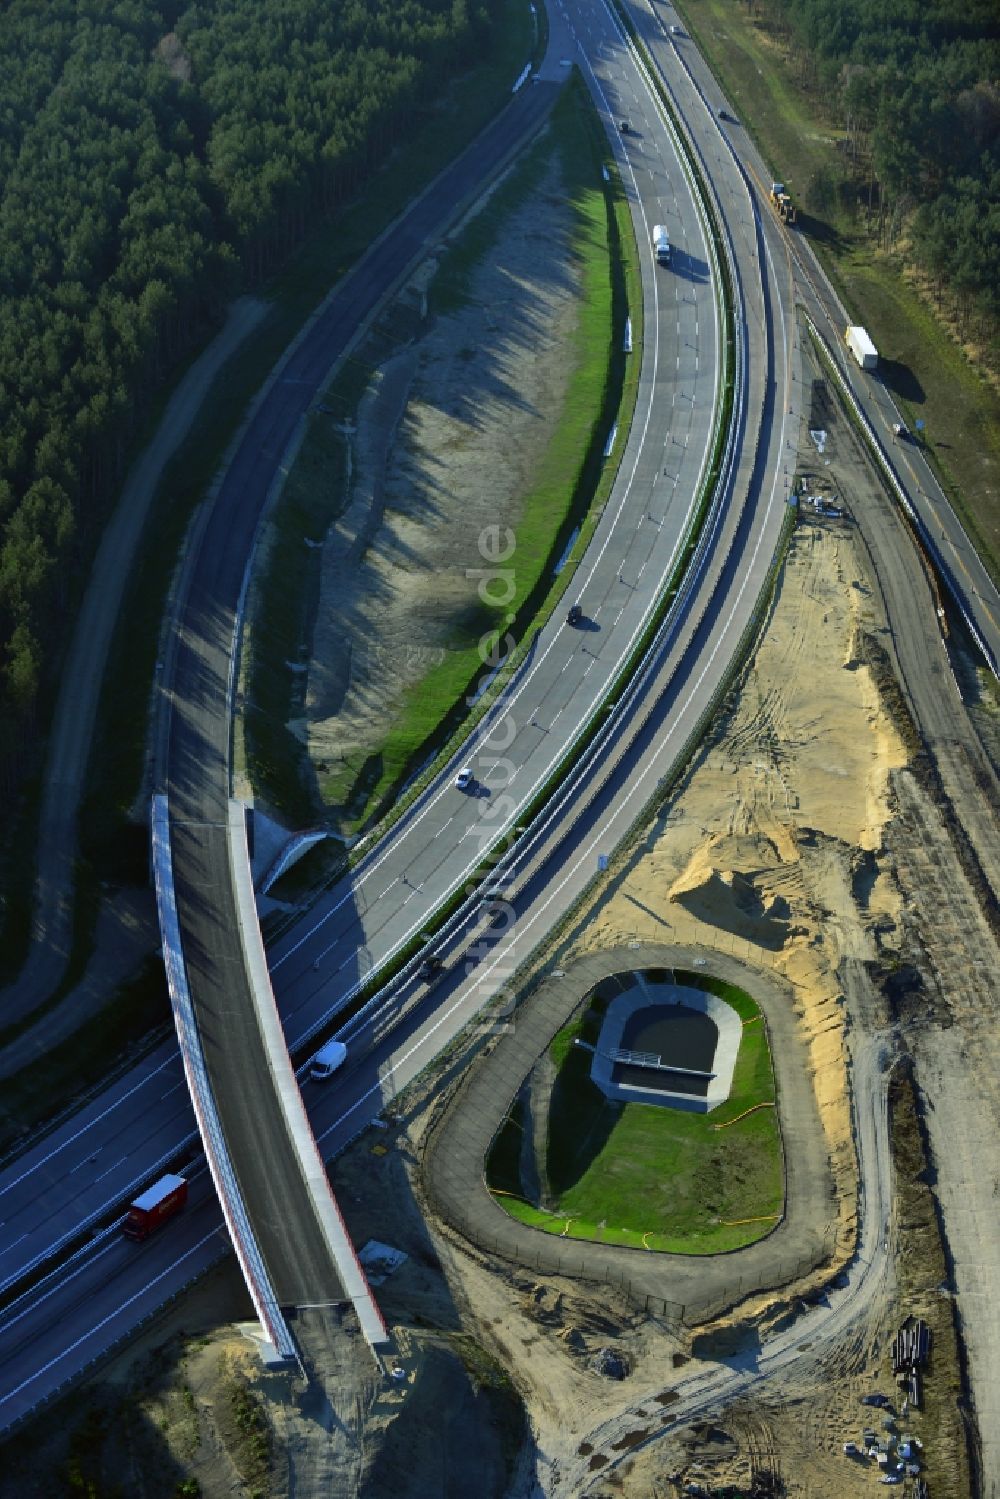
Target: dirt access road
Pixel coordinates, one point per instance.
(780, 847)
(82, 680)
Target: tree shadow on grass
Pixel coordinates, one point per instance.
(820, 231)
(901, 380)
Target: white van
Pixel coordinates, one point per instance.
(326, 1061)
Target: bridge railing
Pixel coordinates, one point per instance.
(234, 1210)
(324, 1204)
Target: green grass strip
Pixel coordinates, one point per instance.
(651, 1177)
(325, 864)
(921, 363)
(572, 484)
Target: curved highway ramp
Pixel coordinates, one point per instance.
(286, 1228)
(281, 1215)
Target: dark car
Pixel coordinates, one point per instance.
(499, 914)
(429, 969)
(875, 1400)
(575, 615)
(624, 127)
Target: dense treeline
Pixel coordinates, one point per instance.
(153, 158)
(918, 85)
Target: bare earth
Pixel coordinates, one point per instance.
(782, 818)
(801, 842)
(774, 848)
(448, 440)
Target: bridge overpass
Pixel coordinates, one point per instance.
(284, 1222)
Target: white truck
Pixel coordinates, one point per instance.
(326, 1061)
(661, 244)
(861, 346)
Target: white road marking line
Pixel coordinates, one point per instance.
(171, 1061)
(110, 1169)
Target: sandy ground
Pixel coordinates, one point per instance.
(448, 440)
(950, 1021)
(778, 847)
(772, 848)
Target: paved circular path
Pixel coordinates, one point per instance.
(689, 1287)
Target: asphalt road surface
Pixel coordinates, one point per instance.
(259, 1143)
(697, 647)
(955, 555)
(198, 680)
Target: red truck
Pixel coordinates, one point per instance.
(158, 1203)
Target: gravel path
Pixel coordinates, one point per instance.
(946, 851)
(691, 1286)
(83, 677)
(958, 1066)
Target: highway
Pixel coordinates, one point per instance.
(926, 674)
(441, 843)
(92, 1161)
(272, 1179)
(959, 563)
(611, 598)
(128, 1134)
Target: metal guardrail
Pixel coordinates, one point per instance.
(505, 869)
(234, 1211)
(892, 479)
(653, 1062)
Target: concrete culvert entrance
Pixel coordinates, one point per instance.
(649, 1120)
(677, 1035)
(669, 1044)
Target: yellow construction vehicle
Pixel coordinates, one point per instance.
(783, 205)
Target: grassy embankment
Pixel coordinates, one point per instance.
(569, 489)
(114, 846)
(645, 1176)
(924, 367)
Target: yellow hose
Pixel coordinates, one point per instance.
(739, 1222)
(752, 1110)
